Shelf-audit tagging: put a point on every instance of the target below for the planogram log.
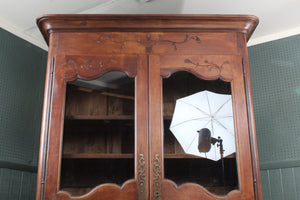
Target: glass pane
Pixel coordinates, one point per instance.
(199, 141)
(98, 138)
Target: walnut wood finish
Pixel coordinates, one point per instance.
(228, 68)
(147, 48)
(147, 23)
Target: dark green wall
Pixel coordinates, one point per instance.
(275, 77)
(22, 74)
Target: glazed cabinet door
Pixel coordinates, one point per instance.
(96, 136)
(199, 147)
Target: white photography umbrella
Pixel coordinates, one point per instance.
(201, 111)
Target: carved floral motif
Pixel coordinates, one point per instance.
(141, 177)
(210, 66)
(71, 67)
(156, 174)
(76, 68)
(148, 42)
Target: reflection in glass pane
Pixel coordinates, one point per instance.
(199, 141)
(98, 138)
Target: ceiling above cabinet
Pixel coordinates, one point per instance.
(278, 19)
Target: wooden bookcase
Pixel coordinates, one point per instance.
(111, 88)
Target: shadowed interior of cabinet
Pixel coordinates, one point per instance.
(182, 167)
(98, 138)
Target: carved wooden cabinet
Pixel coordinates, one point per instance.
(113, 122)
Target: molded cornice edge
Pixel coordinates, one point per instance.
(152, 23)
(41, 44)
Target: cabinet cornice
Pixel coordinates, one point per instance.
(147, 23)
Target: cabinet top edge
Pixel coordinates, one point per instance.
(146, 23)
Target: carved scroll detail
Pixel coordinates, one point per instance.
(149, 42)
(209, 65)
(187, 38)
(71, 67)
(141, 177)
(128, 189)
(156, 174)
(86, 68)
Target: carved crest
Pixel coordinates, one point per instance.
(72, 67)
(208, 65)
(149, 41)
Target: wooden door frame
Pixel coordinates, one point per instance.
(228, 68)
(67, 68)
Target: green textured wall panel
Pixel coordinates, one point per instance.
(297, 180)
(276, 184)
(283, 184)
(289, 184)
(28, 189)
(275, 77)
(10, 184)
(17, 185)
(265, 184)
(22, 72)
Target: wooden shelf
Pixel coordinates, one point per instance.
(106, 117)
(168, 117)
(116, 156)
(100, 117)
(181, 156)
(96, 156)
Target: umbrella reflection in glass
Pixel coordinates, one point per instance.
(205, 141)
(199, 113)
